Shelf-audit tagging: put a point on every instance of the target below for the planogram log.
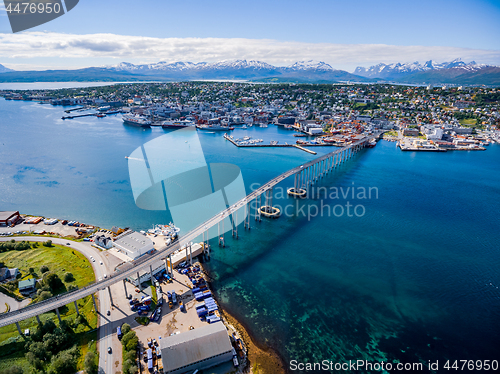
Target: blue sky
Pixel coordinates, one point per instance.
(465, 28)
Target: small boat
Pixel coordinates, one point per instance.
(244, 127)
(100, 115)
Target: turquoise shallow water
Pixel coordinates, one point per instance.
(414, 279)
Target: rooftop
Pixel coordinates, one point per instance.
(194, 345)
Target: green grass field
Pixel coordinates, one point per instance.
(60, 260)
(468, 121)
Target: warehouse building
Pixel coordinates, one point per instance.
(133, 244)
(9, 218)
(197, 349)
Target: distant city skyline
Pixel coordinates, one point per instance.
(342, 34)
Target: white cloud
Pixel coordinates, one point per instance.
(103, 48)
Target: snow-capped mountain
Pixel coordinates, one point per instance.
(399, 70)
(311, 65)
(238, 69)
(3, 69)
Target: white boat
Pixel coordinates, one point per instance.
(177, 124)
(136, 120)
(244, 127)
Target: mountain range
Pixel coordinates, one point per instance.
(455, 71)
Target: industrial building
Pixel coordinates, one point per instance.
(9, 218)
(133, 244)
(196, 349)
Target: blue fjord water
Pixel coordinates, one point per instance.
(413, 279)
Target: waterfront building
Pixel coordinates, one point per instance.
(133, 244)
(103, 241)
(9, 218)
(197, 349)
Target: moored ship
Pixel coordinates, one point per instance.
(214, 127)
(136, 120)
(177, 124)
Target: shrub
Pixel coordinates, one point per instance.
(13, 370)
(31, 270)
(68, 277)
(48, 243)
(44, 269)
(44, 295)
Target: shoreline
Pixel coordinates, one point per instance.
(261, 360)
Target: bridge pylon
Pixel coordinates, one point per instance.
(268, 210)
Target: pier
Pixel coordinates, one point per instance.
(80, 115)
(227, 137)
(306, 175)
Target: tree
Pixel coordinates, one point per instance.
(133, 369)
(132, 343)
(53, 281)
(63, 363)
(90, 363)
(31, 270)
(125, 328)
(48, 243)
(126, 337)
(68, 277)
(44, 269)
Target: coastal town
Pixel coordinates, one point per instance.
(419, 118)
(165, 319)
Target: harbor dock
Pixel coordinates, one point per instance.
(276, 145)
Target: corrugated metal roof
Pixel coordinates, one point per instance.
(194, 345)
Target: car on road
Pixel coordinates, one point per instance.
(68, 244)
(110, 350)
(92, 258)
(108, 313)
(105, 276)
(101, 262)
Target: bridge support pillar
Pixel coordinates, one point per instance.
(76, 307)
(19, 328)
(139, 282)
(190, 254)
(125, 288)
(235, 224)
(93, 300)
(38, 319)
(171, 266)
(151, 274)
(110, 296)
(58, 315)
